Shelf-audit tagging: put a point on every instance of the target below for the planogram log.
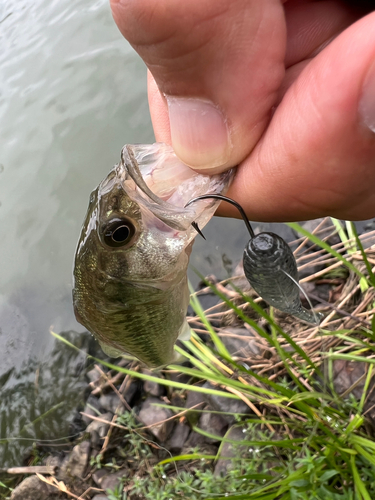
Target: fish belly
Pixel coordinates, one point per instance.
(146, 325)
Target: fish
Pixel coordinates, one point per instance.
(130, 285)
(271, 269)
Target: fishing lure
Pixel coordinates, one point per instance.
(271, 269)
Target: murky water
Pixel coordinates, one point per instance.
(72, 93)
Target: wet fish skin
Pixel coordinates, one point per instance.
(133, 298)
(115, 296)
(270, 268)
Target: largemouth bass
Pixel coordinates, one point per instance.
(130, 271)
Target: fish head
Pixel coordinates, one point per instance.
(122, 239)
(144, 234)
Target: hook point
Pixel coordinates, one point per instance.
(196, 227)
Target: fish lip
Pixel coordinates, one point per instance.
(132, 171)
(144, 166)
(138, 195)
(178, 218)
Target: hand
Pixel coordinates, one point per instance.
(285, 90)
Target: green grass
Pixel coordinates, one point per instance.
(311, 443)
(302, 440)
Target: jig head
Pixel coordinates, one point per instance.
(270, 268)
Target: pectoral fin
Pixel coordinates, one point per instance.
(110, 351)
(185, 332)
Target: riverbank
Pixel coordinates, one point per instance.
(264, 404)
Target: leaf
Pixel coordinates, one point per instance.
(191, 456)
(367, 443)
(365, 454)
(196, 305)
(359, 484)
(52, 481)
(352, 357)
(325, 246)
(327, 475)
(300, 483)
(342, 234)
(285, 443)
(310, 395)
(364, 255)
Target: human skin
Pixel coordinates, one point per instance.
(284, 90)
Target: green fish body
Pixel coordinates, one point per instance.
(130, 271)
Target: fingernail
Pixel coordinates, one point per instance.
(367, 101)
(199, 132)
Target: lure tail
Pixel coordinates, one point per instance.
(300, 312)
(308, 316)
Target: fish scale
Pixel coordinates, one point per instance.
(130, 270)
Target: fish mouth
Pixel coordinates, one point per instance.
(154, 177)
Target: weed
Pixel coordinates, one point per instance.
(304, 441)
(117, 493)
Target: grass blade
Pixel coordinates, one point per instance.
(325, 246)
(364, 255)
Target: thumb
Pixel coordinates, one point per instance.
(317, 157)
(217, 65)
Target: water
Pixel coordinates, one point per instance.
(72, 94)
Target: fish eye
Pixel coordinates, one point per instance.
(119, 233)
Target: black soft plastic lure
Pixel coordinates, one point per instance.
(270, 268)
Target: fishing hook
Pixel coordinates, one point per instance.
(228, 200)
